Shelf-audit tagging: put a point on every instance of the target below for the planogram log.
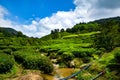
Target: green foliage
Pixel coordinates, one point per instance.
(60, 52)
(117, 56)
(55, 36)
(83, 52)
(85, 76)
(83, 28)
(13, 72)
(21, 54)
(45, 65)
(62, 30)
(9, 32)
(114, 63)
(33, 60)
(80, 35)
(38, 62)
(65, 59)
(20, 34)
(65, 46)
(6, 63)
(109, 37)
(7, 51)
(86, 59)
(67, 56)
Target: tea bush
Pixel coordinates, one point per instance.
(33, 60)
(7, 51)
(117, 56)
(60, 52)
(67, 56)
(83, 52)
(20, 55)
(6, 63)
(114, 64)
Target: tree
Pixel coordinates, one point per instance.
(56, 30)
(68, 30)
(62, 30)
(52, 32)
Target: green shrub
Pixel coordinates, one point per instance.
(3, 47)
(60, 52)
(98, 52)
(7, 51)
(15, 48)
(53, 50)
(117, 56)
(79, 54)
(45, 65)
(114, 64)
(33, 60)
(84, 76)
(83, 52)
(20, 55)
(6, 63)
(86, 59)
(44, 50)
(67, 56)
(38, 62)
(1, 51)
(65, 59)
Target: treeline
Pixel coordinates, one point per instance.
(79, 28)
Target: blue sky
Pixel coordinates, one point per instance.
(37, 18)
(30, 9)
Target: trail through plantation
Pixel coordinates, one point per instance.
(29, 76)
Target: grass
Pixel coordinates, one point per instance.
(100, 64)
(69, 43)
(78, 35)
(66, 45)
(13, 72)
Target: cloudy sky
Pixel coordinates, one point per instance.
(38, 17)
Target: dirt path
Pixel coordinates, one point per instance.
(30, 75)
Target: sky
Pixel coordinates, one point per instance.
(36, 18)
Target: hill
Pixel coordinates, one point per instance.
(82, 28)
(9, 32)
(93, 42)
(101, 21)
(87, 42)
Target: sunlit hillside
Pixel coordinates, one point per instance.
(72, 49)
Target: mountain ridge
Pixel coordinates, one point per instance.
(12, 32)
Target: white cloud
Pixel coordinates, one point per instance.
(85, 10)
(3, 12)
(4, 22)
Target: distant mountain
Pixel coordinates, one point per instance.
(9, 32)
(101, 21)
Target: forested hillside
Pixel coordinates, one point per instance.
(9, 32)
(94, 42)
